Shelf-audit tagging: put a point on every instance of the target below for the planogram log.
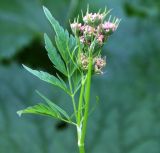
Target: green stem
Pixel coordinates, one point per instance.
(81, 149)
(80, 102)
(74, 105)
(72, 95)
(79, 124)
(87, 101)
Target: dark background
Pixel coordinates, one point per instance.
(127, 118)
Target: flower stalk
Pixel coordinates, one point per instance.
(86, 108)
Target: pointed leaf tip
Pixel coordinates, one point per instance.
(45, 35)
(25, 67)
(19, 113)
(44, 8)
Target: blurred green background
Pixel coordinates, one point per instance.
(127, 119)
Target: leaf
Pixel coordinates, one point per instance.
(63, 40)
(39, 109)
(55, 107)
(54, 56)
(47, 78)
(17, 91)
(62, 81)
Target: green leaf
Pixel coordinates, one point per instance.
(72, 43)
(39, 109)
(55, 107)
(47, 78)
(62, 81)
(65, 43)
(63, 40)
(54, 56)
(17, 91)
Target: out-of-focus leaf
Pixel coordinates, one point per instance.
(54, 56)
(23, 21)
(149, 9)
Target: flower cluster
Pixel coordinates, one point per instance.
(98, 63)
(93, 19)
(94, 29)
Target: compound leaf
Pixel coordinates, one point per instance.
(39, 109)
(63, 40)
(54, 107)
(54, 56)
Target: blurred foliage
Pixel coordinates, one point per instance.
(127, 120)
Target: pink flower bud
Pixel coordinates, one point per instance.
(82, 28)
(93, 19)
(82, 40)
(88, 30)
(100, 39)
(76, 27)
(109, 26)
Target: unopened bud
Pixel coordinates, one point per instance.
(76, 27)
(83, 61)
(88, 30)
(109, 27)
(82, 40)
(93, 19)
(99, 64)
(100, 39)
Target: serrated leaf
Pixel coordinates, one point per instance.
(39, 109)
(63, 40)
(72, 43)
(47, 78)
(17, 91)
(54, 56)
(55, 107)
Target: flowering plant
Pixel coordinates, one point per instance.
(78, 58)
(93, 34)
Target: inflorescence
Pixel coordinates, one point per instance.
(94, 29)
